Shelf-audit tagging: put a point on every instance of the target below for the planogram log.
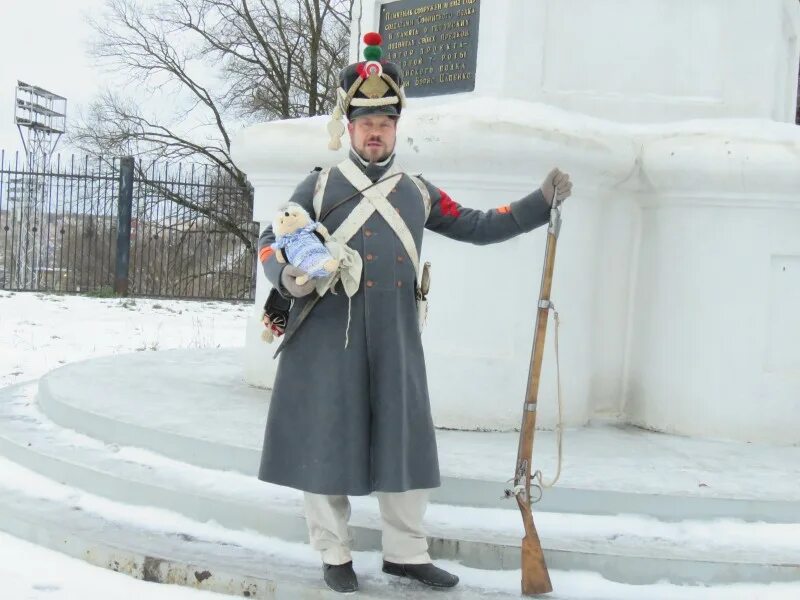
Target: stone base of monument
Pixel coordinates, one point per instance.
(145, 464)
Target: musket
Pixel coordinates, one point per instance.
(535, 578)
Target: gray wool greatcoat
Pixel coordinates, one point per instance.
(357, 420)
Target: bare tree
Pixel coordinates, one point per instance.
(225, 60)
(274, 58)
(281, 57)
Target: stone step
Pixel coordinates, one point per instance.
(156, 546)
(632, 550)
(122, 399)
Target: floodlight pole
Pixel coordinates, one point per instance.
(40, 116)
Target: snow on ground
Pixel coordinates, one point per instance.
(39, 574)
(641, 535)
(39, 332)
(29, 572)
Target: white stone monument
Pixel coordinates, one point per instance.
(678, 270)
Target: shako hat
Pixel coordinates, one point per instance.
(371, 87)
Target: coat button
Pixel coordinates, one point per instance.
(399, 284)
(370, 256)
(370, 283)
(367, 232)
(400, 259)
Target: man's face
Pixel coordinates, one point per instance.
(373, 136)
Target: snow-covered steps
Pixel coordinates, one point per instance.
(156, 545)
(193, 406)
(622, 548)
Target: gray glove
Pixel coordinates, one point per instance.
(556, 184)
(288, 276)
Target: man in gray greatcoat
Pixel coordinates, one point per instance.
(356, 420)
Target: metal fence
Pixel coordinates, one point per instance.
(105, 226)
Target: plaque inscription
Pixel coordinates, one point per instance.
(435, 44)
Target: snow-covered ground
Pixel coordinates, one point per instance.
(29, 572)
(40, 332)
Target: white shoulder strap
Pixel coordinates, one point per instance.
(426, 195)
(364, 209)
(319, 191)
(354, 221)
(360, 181)
(376, 196)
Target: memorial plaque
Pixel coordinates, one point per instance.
(435, 44)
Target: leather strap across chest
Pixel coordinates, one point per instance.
(374, 200)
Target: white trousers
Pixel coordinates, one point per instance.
(404, 540)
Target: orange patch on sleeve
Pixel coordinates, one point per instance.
(265, 253)
(504, 210)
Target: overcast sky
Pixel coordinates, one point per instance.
(46, 42)
(43, 42)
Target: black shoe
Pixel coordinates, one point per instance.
(428, 573)
(340, 578)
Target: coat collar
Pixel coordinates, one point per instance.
(372, 170)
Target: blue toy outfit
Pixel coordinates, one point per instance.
(304, 250)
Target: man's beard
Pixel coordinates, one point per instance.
(385, 153)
